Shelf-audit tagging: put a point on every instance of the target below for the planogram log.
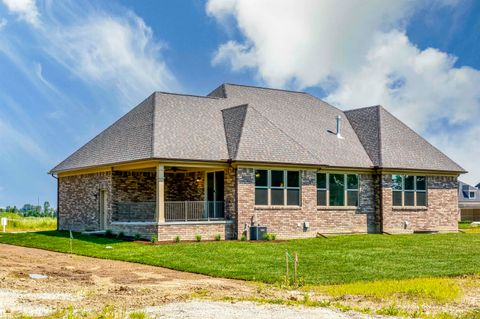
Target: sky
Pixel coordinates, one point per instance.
(69, 69)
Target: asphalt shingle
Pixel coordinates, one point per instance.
(243, 123)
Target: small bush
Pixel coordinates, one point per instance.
(218, 237)
(154, 239)
(198, 237)
(177, 239)
(121, 234)
(243, 238)
(269, 236)
(108, 233)
(137, 236)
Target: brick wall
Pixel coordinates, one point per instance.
(79, 200)
(441, 213)
(288, 222)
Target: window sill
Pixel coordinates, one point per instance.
(337, 207)
(409, 207)
(278, 207)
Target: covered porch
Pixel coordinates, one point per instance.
(171, 194)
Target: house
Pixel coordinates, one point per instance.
(181, 165)
(469, 202)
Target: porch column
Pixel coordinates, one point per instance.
(160, 198)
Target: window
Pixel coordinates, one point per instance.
(409, 190)
(471, 195)
(277, 187)
(337, 189)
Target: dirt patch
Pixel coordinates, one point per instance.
(96, 282)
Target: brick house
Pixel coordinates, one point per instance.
(469, 202)
(185, 165)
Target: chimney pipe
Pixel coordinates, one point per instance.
(339, 127)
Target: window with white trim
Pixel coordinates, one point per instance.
(471, 195)
(409, 190)
(337, 189)
(277, 188)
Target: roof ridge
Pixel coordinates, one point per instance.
(264, 88)
(379, 134)
(240, 129)
(418, 135)
(190, 95)
(362, 108)
(101, 132)
(154, 126)
(285, 133)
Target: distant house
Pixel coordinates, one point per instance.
(469, 202)
(181, 165)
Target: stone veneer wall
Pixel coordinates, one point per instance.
(134, 196)
(230, 195)
(188, 186)
(188, 231)
(441, 213)
(287, 222)
(79, 200)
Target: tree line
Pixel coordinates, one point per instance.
(29, 210)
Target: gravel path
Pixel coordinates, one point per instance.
(219, 310)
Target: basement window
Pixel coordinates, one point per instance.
(337, 190)
(277, 188)
(409, 190)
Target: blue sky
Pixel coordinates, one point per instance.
(70, 68)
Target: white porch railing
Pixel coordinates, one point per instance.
(194, 210)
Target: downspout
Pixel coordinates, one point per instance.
(58, 200)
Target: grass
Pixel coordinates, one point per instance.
(336, 260)
(17, 223)
(440, 290)
(467, 227)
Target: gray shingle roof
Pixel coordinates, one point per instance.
(392, 144)
(243, 123)
(463, 196)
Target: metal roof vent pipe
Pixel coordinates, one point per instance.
(339, 127)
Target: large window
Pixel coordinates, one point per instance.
(277, 187)
(409, 190)
(337, 189)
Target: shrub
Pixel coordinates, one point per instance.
(177, 239)
(154, 238)
(137, 236)
(218, 237)
(269, 236)
(198, 237)
(243, 238)
(121, 234)
(108, 233)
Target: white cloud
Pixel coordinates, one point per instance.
(25, 9)
(358, 52)
(117, 52)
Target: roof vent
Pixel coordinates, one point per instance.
(339, 127)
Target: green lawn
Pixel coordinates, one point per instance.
(339, 259)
